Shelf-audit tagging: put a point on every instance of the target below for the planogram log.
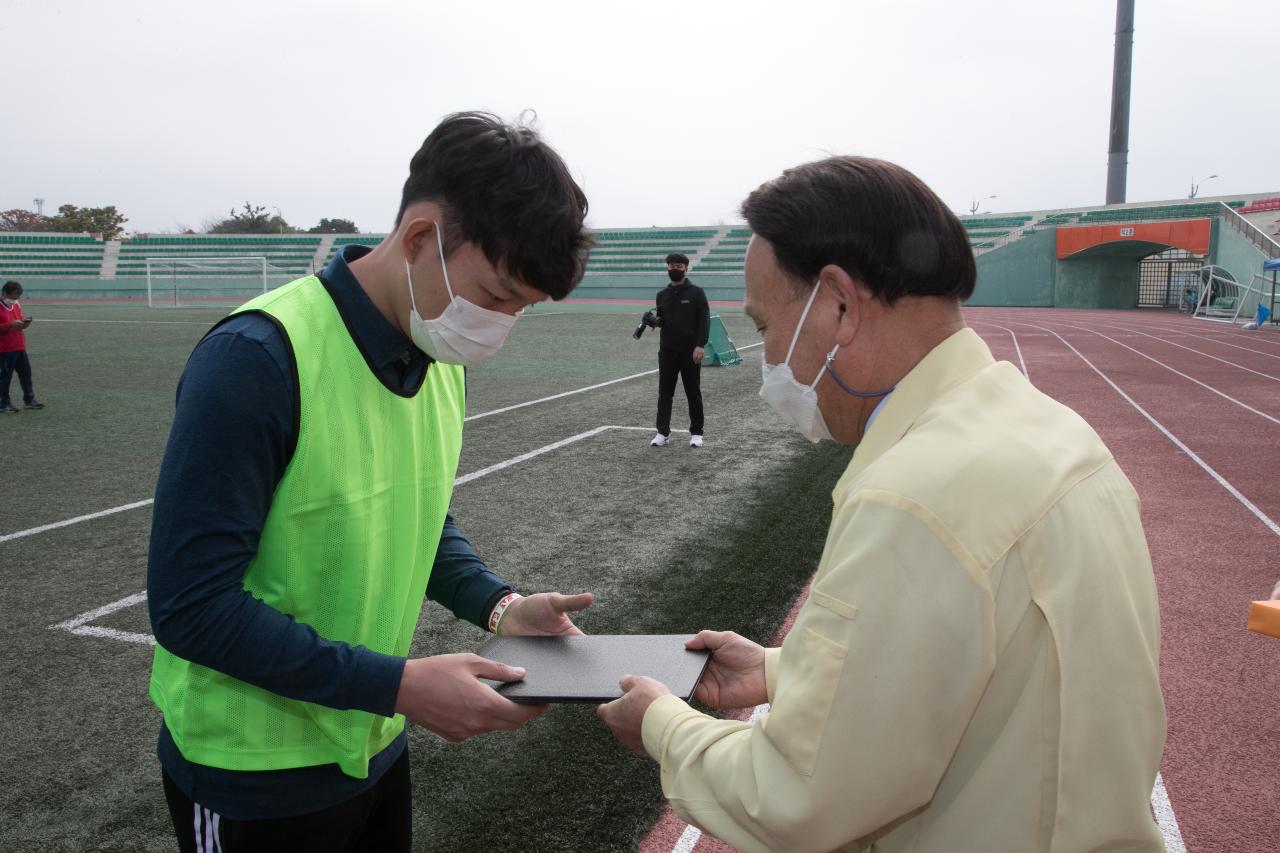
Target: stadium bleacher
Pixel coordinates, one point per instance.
(1167, 211)
(620, 252)
(1266, 204)
(50, 254)
(293, 253)
(1006, 222)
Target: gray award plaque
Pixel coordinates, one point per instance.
(587, 668)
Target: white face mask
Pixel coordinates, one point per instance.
(464, 333)
(796, 403)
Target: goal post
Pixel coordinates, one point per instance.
(1222, 299)
(178, 281)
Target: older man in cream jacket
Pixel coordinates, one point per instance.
(976, 666)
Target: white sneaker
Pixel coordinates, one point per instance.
(695, 441)
(659, 440)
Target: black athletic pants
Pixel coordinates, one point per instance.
(378, 821)
(672, 364)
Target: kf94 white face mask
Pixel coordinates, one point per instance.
(464, 333)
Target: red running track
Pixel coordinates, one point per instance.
(1214, 530)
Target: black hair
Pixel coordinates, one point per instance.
(11, 287)
(504, 189)
(873, 219)
(678, 258)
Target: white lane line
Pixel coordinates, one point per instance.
(688, 840)
(1021, 360)
(1221, 481)
(1174, 344)
(1227, 397)
(1163, 811)
(691, 835)
(1189, 335)
(1258, 336)
(79, 624)
(79, 518)
(576, 391)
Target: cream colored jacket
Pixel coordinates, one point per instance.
(976, 666)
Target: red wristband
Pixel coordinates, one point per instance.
(495, 616)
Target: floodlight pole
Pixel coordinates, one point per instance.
(1121, 83)
(1195, 188)
(973, 208)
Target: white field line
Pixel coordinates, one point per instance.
(79, 624)
(1021, 360)
(1173, 344)
(477, 417)
(515, 460)
(79, 518)
(136, 504)
(512, 408)
(1203, 385)
(42, 320)
(1218, 478)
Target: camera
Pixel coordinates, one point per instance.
(649, 320)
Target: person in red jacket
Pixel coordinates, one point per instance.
(13, 350)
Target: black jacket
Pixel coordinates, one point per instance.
(685, 316)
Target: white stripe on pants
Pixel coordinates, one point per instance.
(207, 841)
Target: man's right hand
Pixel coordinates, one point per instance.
(735, 676)
(442, 694)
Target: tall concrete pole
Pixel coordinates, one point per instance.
(1121, 82)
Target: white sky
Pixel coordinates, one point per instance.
(667, 113)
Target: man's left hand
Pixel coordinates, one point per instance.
(698, 353)
(625, 716)
(544, 614)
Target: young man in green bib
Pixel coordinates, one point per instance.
(302, 511)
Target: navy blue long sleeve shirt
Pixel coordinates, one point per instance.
(232, 437)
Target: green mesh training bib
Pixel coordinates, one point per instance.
(347, 548)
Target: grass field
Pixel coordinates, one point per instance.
(670, 540)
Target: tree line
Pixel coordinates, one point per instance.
(109, 222)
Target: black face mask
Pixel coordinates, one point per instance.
(676, 275)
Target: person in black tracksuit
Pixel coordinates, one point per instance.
(685, 321)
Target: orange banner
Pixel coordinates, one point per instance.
(1189, 234)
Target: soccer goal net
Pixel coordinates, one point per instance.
(1223, 299)
(176, 282)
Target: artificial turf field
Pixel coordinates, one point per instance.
(670, 540)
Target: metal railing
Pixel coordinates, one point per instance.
(1249, 231)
